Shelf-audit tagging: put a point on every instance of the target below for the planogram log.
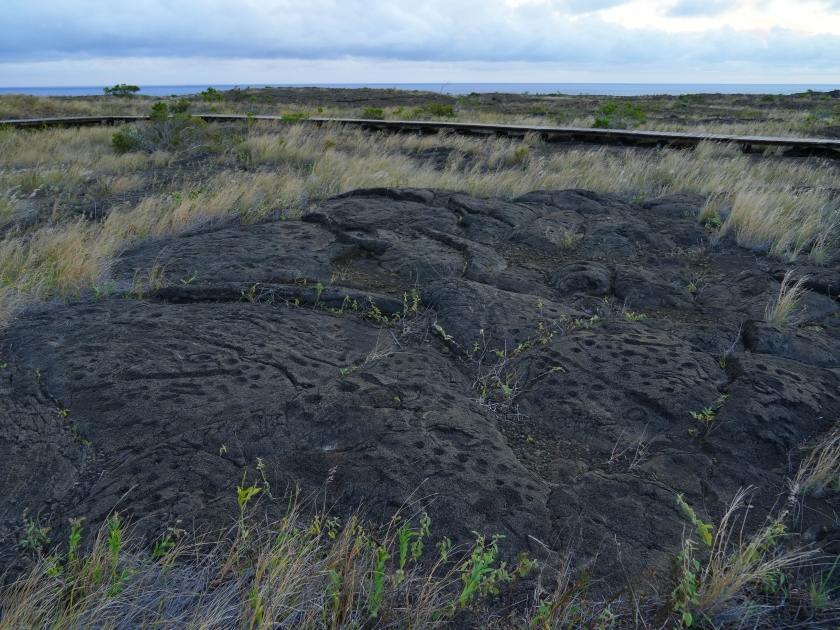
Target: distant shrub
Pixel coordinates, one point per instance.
(376, 113)
(768, 98)
(609, 108)
(181, 106)
(435, 109)
(292, 118)
(617, 116)
(122, 90)
(211, 95)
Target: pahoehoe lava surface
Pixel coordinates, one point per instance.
(230, 362)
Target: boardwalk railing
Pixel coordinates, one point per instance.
(631, 137)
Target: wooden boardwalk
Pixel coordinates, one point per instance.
(626, 137)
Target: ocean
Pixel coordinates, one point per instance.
(601, 89)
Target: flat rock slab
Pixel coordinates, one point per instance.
(539, 383)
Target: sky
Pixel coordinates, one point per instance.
(254, 42)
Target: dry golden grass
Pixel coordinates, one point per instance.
(783, 307)
(27, 106)
(821, 468)
(773, 204)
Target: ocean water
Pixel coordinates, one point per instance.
(601, 89)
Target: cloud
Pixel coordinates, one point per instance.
(700, 8)
(409, 31)
(576, 7)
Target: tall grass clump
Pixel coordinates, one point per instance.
(52, 261)
(820, 471)
(783, 222)
(790, 293)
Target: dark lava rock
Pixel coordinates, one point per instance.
(518, 398)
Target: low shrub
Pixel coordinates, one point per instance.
(181, 106)
(211, 95)
(292, 118)
(164, 132)
(435, 109)
(375, 113)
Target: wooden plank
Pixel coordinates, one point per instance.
(576, 134)
(70, 120)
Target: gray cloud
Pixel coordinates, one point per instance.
(698, 8)
(413, 31)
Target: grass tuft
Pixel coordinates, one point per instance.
(782, 308)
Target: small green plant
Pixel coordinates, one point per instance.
(166, 543)
(293, 118)
(115, 533)
(250, 294)
(713, 222)
(348, 370)
(480, 576)
(601, 122)
(704, 530)
(115, 545)
(707, 415)
(243, 495)
(74, 538)
(123, 90)
(36, 537)
(684, 596)
(820, 592)
(442, 332)
(635, 317)
(100, 292)
(191, 279)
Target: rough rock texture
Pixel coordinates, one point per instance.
(546, 393)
